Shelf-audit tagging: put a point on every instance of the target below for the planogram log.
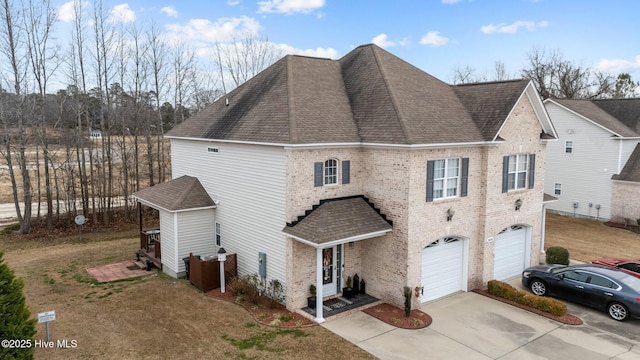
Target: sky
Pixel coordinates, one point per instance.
(436, 36)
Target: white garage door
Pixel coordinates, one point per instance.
(442, 266)
(510, 252)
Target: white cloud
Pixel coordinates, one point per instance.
(433, 38)
(450, 1)
(381, 40)
(513, 28)
(617, 66)
(233, 2)
(224, 29)
(289, 7)
(170, 11)
(329, 53)
(122, 14)
(66, 11)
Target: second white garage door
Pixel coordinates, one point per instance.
(442, 268)
(510, 253)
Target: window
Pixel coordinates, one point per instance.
(331, 172)
(326, 173)
(557, 189)
(577, 276)
(568, 146)
(447, 178)
(218, 236)
(212, 150)
(518, 172)
(602, 281)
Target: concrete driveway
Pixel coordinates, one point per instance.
(472, 326)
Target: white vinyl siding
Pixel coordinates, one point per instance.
(250, 183)
(195, 231)
(167, 244)
(585, 175)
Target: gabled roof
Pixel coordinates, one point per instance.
(183, 193)
(631, 170)
(337, 221)
(621, 117)
(369, 96)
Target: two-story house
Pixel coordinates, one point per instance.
(364, 165)
(593, 169)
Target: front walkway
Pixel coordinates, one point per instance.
(117, 271)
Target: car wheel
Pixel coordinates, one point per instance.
(618, 311)
(538, 287)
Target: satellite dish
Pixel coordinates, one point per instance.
(80, 220)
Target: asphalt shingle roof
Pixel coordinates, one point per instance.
(631, 170)
(339, 219)
(185, 192)
(368, 96)
(619, 116)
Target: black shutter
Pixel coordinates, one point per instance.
(430, 165)
(346, 167)
(505, 174)
(465, 177)
(532, 170)
(317, 174)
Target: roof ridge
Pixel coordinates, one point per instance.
(186, 191)
(293, 133)
(401, 117)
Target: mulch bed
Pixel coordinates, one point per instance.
(566, 319)
(266, 312)
(633, 228)
(393, 315)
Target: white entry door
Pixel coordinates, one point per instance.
(329, 271)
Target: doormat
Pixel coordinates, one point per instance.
(333, 304)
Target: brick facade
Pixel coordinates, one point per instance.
(395, 181)
(621, 208)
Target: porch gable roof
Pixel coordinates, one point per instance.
(183, 193)
(337, 221)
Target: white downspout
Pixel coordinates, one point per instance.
(319, 315)
(544, 227)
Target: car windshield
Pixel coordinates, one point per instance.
(632, 282)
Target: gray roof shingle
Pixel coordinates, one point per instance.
(608, 113)
(631, 170)
(337, 220)
(185, 192)
(368, 96)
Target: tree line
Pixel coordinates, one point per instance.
(557, 77)
(86, 147)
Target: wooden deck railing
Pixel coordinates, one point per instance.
(150, 242)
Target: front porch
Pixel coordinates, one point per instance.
(339, 305)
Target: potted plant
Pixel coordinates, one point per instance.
(311, 300)
(347, 291)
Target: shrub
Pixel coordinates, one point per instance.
(247, 286)
(557, 255)
(506, 291)
(14, 315)
(407, 301)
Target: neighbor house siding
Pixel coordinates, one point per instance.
(196, 231)
(249, 183)
(168, 243)
(585, 174)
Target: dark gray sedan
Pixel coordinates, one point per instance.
(600, 287)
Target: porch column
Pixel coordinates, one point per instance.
(319, 309)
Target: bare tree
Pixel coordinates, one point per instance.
(243, 58)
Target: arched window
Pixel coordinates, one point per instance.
(331, 172)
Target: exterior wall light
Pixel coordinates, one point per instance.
(518, 204)
(450, 213)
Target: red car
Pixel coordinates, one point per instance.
(631, 267)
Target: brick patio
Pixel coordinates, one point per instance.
(117, 271)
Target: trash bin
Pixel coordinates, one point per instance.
(186, 266)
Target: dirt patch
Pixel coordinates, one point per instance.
(395, 316)
(588, 240)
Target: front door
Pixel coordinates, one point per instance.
(329, 271)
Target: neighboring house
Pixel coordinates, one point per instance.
(368, 165)
(594, 170)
